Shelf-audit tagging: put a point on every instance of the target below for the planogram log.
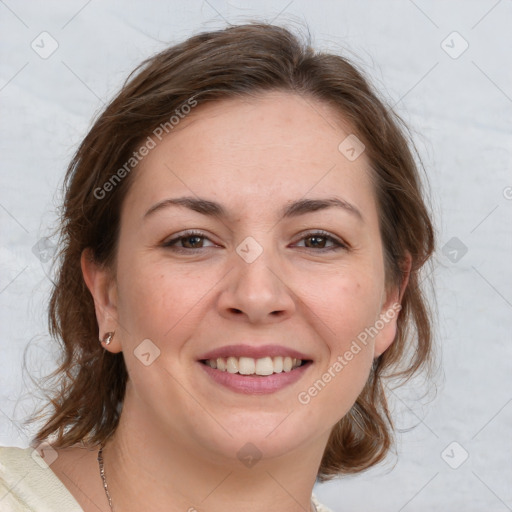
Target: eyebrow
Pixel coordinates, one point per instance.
(294, 209)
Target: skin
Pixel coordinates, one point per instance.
(177, 442)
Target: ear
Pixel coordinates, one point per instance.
(103, 289)
(386, 324)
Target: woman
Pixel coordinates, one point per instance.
(243, 230)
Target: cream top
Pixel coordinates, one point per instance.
(27, 484)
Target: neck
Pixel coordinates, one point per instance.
(176, 474)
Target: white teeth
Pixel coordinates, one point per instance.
(232, 365)
(278, 364)
(246, 366)
(264, 366)
(250, 366)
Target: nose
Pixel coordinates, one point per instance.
(257, 292)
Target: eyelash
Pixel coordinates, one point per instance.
(319, 233)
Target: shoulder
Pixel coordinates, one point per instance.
(319, 506)
(27, 484)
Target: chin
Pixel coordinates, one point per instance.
(259, 436)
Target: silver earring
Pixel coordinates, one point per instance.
(108, 337)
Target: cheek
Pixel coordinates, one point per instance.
(347, 308)
(157, 298)
(346, 305)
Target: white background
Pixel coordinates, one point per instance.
(460, 111)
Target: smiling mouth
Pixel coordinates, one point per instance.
(249, 366)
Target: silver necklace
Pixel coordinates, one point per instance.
(105, 486)
(103, 477)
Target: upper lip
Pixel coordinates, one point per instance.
(256, 352)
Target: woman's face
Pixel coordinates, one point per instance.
(250, 276)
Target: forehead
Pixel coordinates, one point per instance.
(272, 145)
(273, 120)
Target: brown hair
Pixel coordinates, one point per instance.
(233, 62)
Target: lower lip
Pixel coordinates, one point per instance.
(251, 384)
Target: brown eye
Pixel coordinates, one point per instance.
(319, 240)
(187, 242)
(193, 240)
